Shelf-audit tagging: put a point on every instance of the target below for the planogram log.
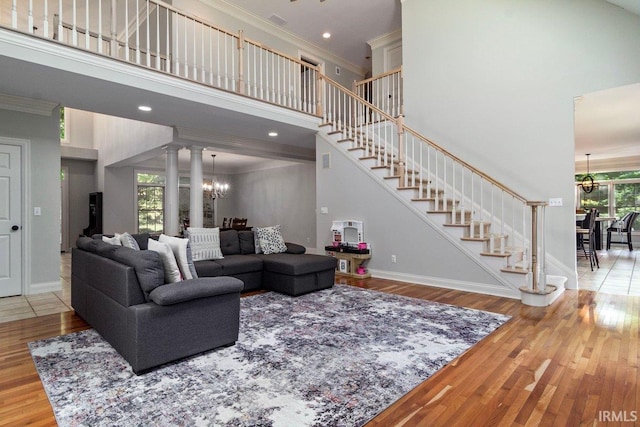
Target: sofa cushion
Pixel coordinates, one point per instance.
(271, 241)
(208, 268)
(237, 264)
(294, 248)
(297, 264)
(205, 243)
(246, 239)
(147, 264)
(188, 290)
(229, 243)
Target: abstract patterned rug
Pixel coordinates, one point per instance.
(336, 357)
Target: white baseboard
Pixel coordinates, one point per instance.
(38, 288)
(479, 288)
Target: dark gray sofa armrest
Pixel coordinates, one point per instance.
(294, 248)
(187, 290)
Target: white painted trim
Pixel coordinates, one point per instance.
(25, 146)
(276, 31)
(438, 282)
(386, 39)
(25, 105)
(39, 288)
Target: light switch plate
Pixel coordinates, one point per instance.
(37, 211)
(324, 210)
(556, 201)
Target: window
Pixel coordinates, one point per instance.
(150, 203)
(618, 194)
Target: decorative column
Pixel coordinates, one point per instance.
(172, 201)
(195, 195)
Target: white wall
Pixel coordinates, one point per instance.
(79, 128)
(81, 179)
(283, 195)
(44, 192)
(494, 82)
(119, 200)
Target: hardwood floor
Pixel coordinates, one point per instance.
(573, 363)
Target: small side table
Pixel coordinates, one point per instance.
(353, 261)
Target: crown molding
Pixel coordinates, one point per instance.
(25, 105)
(276, 31)
(386, 39)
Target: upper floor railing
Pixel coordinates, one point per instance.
(156, 35)
(153, 34)
(384, 91)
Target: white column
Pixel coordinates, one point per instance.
(171, 203)
(195, 195)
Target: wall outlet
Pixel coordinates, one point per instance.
(556, 201)
(393, 259)
(324, 210)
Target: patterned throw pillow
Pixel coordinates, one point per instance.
(128, 241)
(271, 240)
(205, 243)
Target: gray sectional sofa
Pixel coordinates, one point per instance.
(121, 293)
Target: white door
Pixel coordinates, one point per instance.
(10, 220)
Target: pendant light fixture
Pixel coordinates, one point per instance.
(216, 189)
(587, 183)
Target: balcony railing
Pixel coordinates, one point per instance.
(384, 91)
(156, 35)
(152, 34)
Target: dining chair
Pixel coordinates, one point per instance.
(622, 227)
(583, 233)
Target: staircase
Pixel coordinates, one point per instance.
(488, 221)
(485, 219)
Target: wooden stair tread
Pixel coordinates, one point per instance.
(496, 254)
(474, 239)
(516, 270)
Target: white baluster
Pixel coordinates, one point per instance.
(30, 17)
(45, 22)
(87, 38)
(14, 14)
(74, 31)
(126, 30)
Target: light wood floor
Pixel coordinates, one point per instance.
(573, 363)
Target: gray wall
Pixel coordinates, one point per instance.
(494, 82)
(44, 192)
(81, 182)
(422, 254)
(284, 196)
(119, 200)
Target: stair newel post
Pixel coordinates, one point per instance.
(319, 95)
(241, 82)
(534, 267)
(401, 160)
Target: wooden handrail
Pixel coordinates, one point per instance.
(378, 77)
(428, 141)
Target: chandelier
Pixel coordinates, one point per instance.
(216, 189)
(587, 183)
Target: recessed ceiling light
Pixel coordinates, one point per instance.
(144, 108)
(273, 133)
(326, 35)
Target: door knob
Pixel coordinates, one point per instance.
(15, 228)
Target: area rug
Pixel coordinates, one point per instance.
(336, 357)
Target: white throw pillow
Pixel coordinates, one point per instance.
(182, 251)
(128, 241)
(171, 270)
(271, 241)
(115, 240)
(205, 243)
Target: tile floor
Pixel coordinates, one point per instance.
(23, 307)
(619, 273)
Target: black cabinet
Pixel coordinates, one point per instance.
(95, 215)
